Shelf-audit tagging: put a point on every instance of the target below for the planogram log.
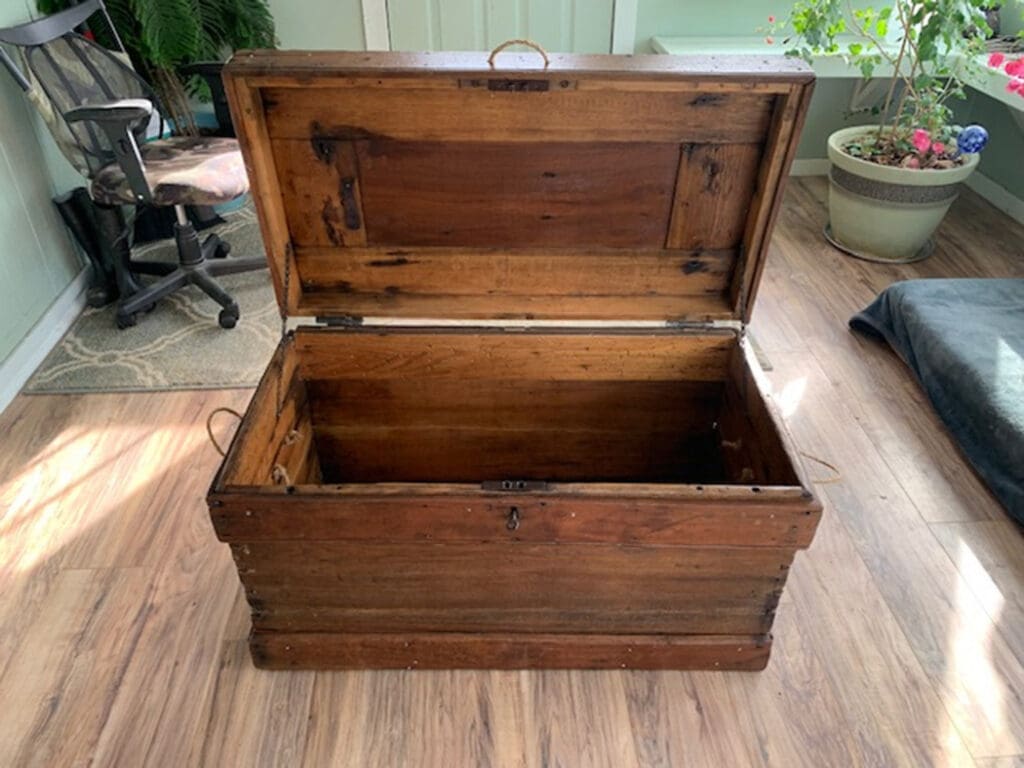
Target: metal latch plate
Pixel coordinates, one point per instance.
(508, 486)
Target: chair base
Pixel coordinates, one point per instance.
(199, 264)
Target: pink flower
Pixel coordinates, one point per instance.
(996, 60)
(921, 140)
(769, 40)
(1016, 85)
(911, 162)
(938, 147)
(771, 20)
(1015, 68)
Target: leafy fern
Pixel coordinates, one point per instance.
(163, 35)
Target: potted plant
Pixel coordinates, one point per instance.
(164, 36)
(892, 182)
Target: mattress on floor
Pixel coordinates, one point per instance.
(964, 340)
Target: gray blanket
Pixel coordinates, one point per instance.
(964, 340)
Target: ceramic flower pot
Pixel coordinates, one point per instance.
(882, 212)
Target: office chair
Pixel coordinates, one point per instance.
(99, 111)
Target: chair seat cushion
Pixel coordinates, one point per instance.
(182, 170)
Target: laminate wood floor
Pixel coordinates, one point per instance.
(899, 640)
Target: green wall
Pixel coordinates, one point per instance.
(319, 24)
(1003, 158)
(37, 259)
(699, 17)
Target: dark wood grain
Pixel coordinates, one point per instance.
(465, 514)
(713, 195)
(635, 154)
(471, 453)
(468, 354)
(272, 650)
(630, 406)
(433, 112)
(302, 611)
(547, 274)
(736, 72)
(596, 194)
(315, 203)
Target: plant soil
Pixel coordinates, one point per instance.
(899, 157)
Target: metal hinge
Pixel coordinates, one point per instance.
(704, 326)
(341, 321)
(514, 485)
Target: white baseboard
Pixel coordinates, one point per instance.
(32, 350)
(811, 166)
(998, 195)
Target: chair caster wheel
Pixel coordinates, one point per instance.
(222, 250)
(228, 317)
(126, 321)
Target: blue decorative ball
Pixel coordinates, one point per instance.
(972, 139)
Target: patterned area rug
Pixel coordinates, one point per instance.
(178, 345)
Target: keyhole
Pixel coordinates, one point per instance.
(512, 521)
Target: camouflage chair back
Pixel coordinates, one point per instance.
(100, 112)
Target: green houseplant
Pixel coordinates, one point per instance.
(161, 36)
(892, 182)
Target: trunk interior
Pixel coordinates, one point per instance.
(479, 406)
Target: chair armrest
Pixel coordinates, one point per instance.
(124, 111)
(116, 119)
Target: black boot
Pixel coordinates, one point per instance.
(114, 239)
(75, 208)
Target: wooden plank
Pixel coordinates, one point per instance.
(554, 355)
(714, 188)
(865, 659)
(482, 115)
(278, 406)
(249, 119)
(428, 193)
(465, 454)
(990, 557)
(70, 661)
(631, 406)
(526, 307)
(308, 650)
(320, 191)
(603, 82)
(284, 611)
(506, 575)
(781, 145)
(505, 608)
(737, 71)
(523, 272)
(253, 718)
(755, 440)
(249, 517)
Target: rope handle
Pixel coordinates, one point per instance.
(280, 475)
(209, 426)
(519, 41)
(826, 480)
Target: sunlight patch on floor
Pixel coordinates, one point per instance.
(57, 497)
(973, 685)
(789, 398)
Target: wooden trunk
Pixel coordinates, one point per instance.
(553, 447)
